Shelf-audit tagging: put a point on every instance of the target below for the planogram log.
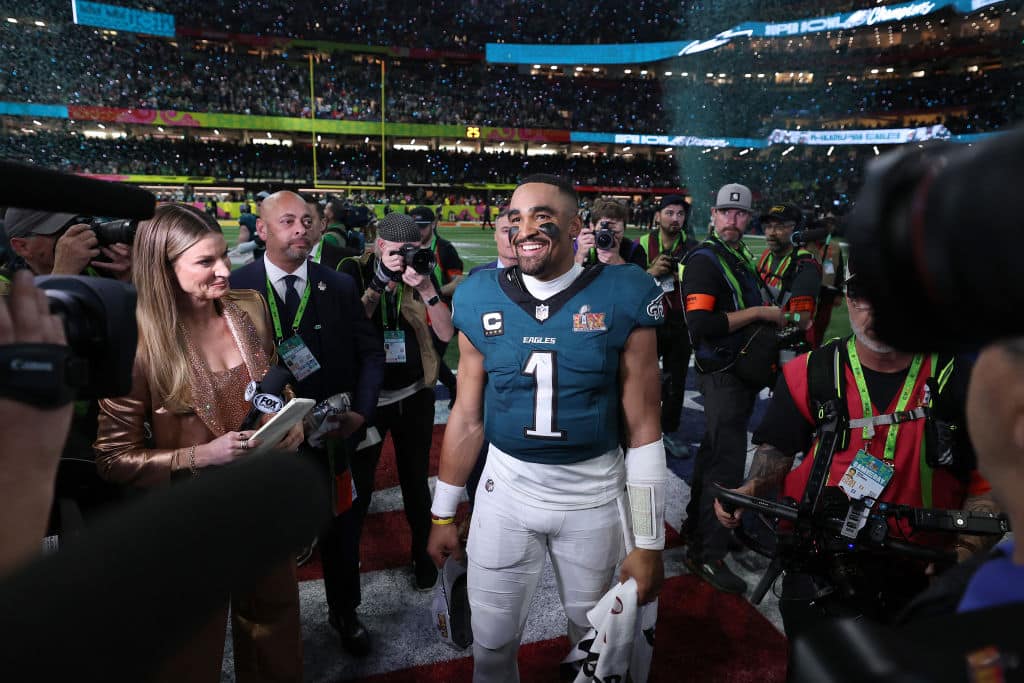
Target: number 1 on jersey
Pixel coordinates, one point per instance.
(543, 367)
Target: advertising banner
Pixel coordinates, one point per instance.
(642, 53)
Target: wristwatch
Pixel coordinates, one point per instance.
(433, 300)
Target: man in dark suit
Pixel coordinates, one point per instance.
(325, 339)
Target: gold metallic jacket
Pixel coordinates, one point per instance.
(126, 454)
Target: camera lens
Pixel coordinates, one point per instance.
(604, 239)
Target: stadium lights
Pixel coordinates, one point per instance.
(829, 152)
(760, 75)
(319, 138)
(874, 71)
(502, 144)
(627, 148)
(596, 70)
(627, 71)
(38, 123)
(918, 74)
(668, 73)
(710, 75)
(458, 142)
(579, 68)
(747, 75)
(586, 147)
(101, 126)
(413, 141)
(554, 67)
(721, 75)
(39, 23)
(366, 140)
(875, 147)
(216, 132)
(788, 150)
(269, 135)
(889, 70)
(544, 145)
(536, 66)
(643, 72)
(684, 74)
(745, 152)
(668, 149)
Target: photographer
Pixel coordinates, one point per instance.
(664, 251)
(64, 244)
(603, 239)
(919, 393)
(33, 436)
(403, 301)
(790, 273)
(726, 315)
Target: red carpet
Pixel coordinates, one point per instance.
(702, 634)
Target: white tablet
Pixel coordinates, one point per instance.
(277, 427)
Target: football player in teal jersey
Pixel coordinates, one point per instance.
(567, 359)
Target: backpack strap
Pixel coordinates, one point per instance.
(826, 387)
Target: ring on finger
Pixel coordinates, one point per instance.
(243, 444)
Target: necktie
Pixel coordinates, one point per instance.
(291, 300)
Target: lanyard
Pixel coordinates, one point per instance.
(272, 303)
(775, 274)
(865, 400)
(743, 255)
(398, 308)
(317, 250)
(671, 249)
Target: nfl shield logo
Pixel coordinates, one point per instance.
(541, 312)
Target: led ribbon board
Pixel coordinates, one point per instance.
(642, 53)
(122, 18)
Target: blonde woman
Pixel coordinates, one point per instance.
(200, 344)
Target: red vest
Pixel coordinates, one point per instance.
(914, 482)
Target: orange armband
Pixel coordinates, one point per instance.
(700, 302)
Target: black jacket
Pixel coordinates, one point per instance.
(334, 326)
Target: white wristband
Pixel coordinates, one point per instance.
(446, 499)
(646, 481)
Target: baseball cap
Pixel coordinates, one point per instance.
(784, 213)
(669, 200)
(398, 227)
(422, 214)
(734, 196)
(23, 222)
(260, 196)
(450, 607)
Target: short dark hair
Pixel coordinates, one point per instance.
(563, 184)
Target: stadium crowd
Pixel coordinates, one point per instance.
(153, 73)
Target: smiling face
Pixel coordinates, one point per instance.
(543, 219)
(202, 270)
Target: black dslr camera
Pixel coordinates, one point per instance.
(604, 236)
(419, 259)
(99, 323)
(120, 231)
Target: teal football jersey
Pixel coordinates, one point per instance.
(552, 393)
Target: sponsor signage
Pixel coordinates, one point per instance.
(125, 19)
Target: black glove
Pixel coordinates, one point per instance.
(382, 276)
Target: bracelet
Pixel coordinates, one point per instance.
(441, 521)
(433, 300)
(192, 462)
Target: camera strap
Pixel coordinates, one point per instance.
(392, 301)
(43, 375)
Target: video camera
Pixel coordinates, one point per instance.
(418, 258)
(932, 286)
